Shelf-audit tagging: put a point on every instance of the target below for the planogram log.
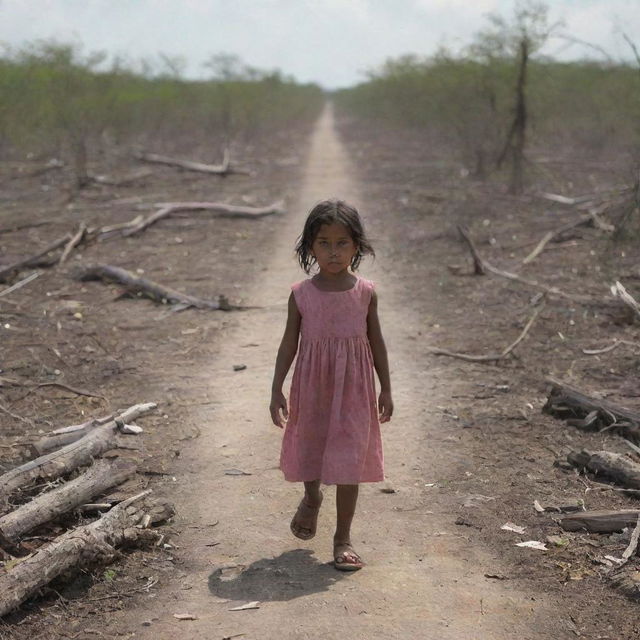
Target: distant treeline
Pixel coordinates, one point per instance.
(471, 102)
(54, 97)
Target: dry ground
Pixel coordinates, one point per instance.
(467, 451)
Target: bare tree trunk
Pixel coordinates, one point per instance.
(517, 170)
(79, 151)
(516, 138)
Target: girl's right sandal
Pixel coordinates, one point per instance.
(305, 511)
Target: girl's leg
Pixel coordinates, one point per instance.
(305, 520)
(344, 555)
(312, 492)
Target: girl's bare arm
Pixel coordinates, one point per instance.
(380, 360)
(286, 354)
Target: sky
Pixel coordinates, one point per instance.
(330, 42)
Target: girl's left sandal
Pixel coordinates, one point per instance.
(345, 558)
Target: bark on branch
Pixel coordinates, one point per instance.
(222, 169)
(83, 547)
(614, 466)
(600, 521)
(66, 435)
(60, 462)
(218, 208)
(102, 475)
(153, 290)
(589, 413)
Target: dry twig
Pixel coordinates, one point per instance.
(494, 357)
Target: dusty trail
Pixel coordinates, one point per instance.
(424, 579)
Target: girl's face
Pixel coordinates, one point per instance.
(333, 248)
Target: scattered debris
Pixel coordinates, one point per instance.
(185, 616)
(558, 541)
(509, 526)
(236, 472)
(245, 607)
(532, 544)
(474, 499)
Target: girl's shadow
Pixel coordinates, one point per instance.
(291, 575)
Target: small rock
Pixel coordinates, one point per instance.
(388, 488)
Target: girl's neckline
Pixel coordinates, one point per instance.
(355, 284)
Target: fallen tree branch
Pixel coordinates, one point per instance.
(219, 208)
(115, 229)
(549, 236)
(485, 266)
(62, 385)
(27, 262)
(600, 521)
(615, 466)
(100, 476)
(60, 462)
(596, 352)
(19, 284)
(616, 343)
(74, 242)
(82, 547)
(555, 197)
(66, 435)
(619, 291)
(15, 416)
(633, 544)
(148, 288)
(589, 413)
(495, 357)
(218, 169)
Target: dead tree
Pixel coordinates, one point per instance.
(515, 143)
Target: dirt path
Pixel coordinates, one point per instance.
(425, 579)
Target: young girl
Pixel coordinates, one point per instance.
(332, 431)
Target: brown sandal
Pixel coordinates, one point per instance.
(345, 558)
(305, 510)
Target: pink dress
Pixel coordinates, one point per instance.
(333, 433)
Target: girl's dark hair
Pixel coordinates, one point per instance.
(330, 212)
